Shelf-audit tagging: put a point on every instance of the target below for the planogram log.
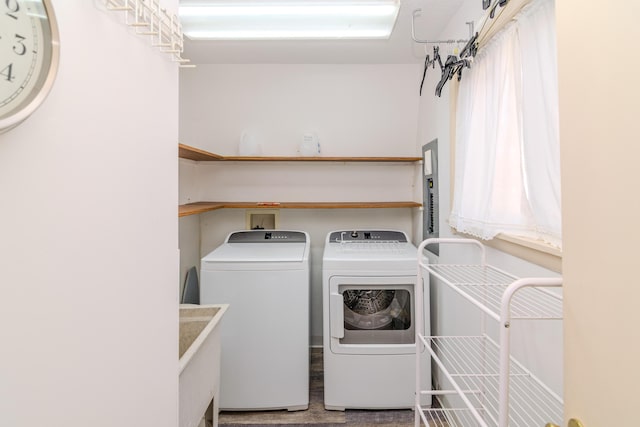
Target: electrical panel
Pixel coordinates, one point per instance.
(430, 194)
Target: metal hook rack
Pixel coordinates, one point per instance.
(151, 20)
(454, 63)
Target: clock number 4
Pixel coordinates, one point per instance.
(7, 73)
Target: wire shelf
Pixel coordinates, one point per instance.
(473, 363)
(448, 417)
(151, 20)
(485, 286)
(496, 390)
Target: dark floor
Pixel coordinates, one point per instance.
(316, 415)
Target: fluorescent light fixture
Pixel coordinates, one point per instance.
(276, 20)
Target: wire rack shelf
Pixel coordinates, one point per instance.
(449, 417)
(151, 20)
(485, 285)
(495, 389)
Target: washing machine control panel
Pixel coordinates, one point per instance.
(267, 236)
(368, 235)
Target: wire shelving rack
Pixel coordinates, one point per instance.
(494, 388)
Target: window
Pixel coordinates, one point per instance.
(507, 171)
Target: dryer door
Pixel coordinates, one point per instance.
(372, 315)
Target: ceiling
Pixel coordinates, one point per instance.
(399, 48)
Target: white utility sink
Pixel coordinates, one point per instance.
(199, 362)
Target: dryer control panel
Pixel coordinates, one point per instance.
(267, 236)
(368, 236)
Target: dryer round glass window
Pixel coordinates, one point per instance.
(375, 314)
(371, 309)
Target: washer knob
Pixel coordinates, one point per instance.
(354, 234)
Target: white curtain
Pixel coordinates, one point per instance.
(507, 169)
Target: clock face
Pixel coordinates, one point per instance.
(28, 58)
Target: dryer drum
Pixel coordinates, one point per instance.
(368, 301)
(377, 309)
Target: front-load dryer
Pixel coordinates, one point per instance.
(369, 277)
(264, 277)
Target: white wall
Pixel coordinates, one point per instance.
(451, 314)
(296, 181)
(189, 235)
(599, 130)
(357, 110)
(88, 259)
(189, 226)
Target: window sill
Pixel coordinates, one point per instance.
(533, 251)
(530, 250)
(531, 244)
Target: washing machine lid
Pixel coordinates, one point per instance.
(258, 246)
(257, 252)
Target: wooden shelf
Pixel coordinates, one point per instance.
(200, 207)
(191, 153)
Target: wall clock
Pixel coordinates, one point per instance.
(29, 55)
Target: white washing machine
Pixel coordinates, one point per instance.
(368, 279)
(264, 277)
